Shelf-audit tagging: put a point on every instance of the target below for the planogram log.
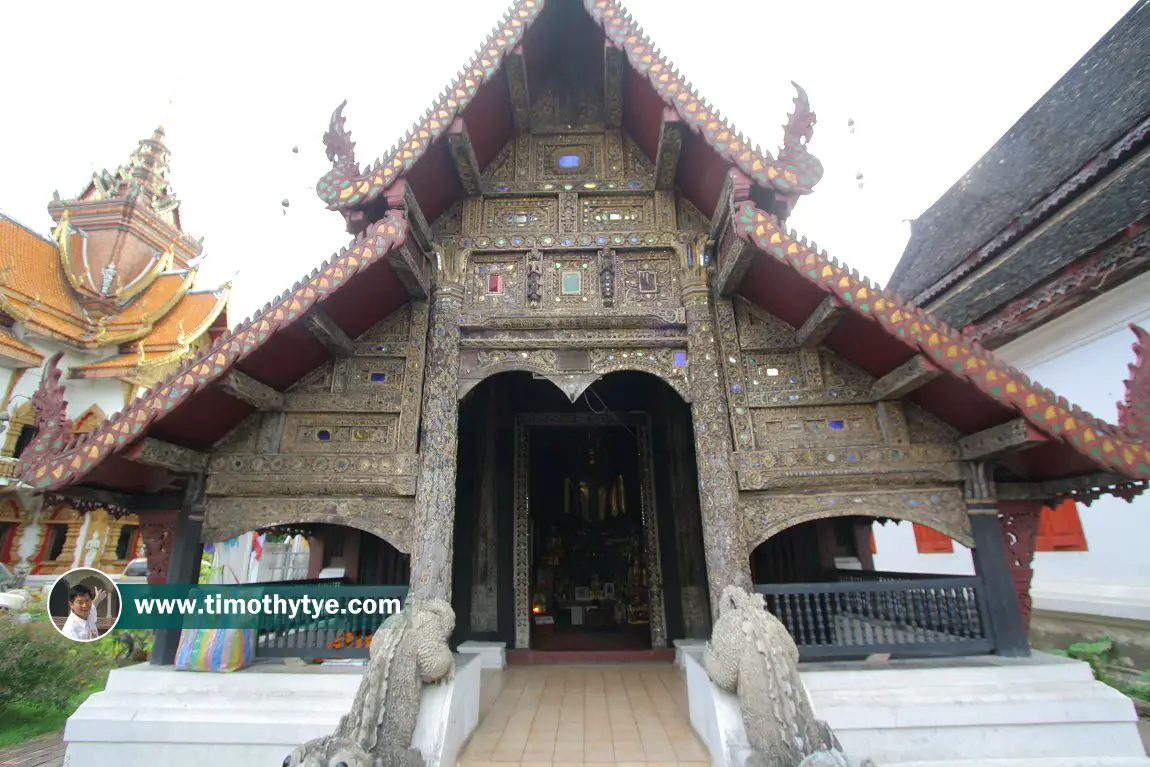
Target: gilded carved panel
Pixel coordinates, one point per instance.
(339, 433)
(618, 213)
(495, 283)
(649, 279)
(348, 428)
(940, 508)
(521, 214)
(802, 427)
(569, 161)
(387, 518)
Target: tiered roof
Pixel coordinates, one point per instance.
(717, 170)
(118, 271)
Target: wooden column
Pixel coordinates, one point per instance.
(434, 523)
(728, 563)
(687, 525)
(175, 539)
(991, 563)
(485, 581)
(1019, 521)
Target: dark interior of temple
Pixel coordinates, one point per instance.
(587, 535)
(589, 574)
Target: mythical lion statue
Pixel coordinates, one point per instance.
(408, 651)
(752, 655)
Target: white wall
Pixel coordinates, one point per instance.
(1083, 356)
(79, 393)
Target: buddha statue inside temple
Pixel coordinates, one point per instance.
(589, 544)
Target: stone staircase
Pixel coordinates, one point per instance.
(1042, 711)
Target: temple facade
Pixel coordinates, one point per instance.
(1056, 280)
(111, 296)
(575, 374)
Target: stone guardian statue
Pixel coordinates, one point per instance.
(408, 651)
(752, 655)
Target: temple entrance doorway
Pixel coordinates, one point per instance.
(593, 553)
(577, 524)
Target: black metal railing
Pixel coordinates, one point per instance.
(913, 616)
(343, 636)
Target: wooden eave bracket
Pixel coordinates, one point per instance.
(1087, 488)
(823, 320)
(735, 257)
(164, 501)
(413, 259)
(671, 133)
(463, 154)
(614, 70)
(247, 389)
(328, 333)
(1003, 439)
(910, 375)
(515, 66)
(165, 455)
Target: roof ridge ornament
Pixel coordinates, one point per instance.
(337, 140)
(1134, 411)
(54, 430)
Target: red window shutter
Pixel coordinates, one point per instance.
(1060, 528)
(931, 541)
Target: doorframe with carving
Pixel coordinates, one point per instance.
(524, 423)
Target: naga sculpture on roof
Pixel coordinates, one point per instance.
(53, 427)
(752, 655)
(1134, 412)
(797, 133)
(408, 651)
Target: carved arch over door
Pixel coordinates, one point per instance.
(941, 509)
(386, 518)
(573, 385)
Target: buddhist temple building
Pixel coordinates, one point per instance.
(1041, 252)
(574, 373)
(111, 296)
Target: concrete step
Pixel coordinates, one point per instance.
(972, 705)
(987, 713)
(1038, 668)
(1042, 761)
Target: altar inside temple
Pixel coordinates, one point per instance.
(588, 564)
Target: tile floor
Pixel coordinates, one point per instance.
(634, 714)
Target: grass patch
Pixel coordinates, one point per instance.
(44, 677)
(26, 720)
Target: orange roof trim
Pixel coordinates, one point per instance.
(14, 349)
(53, 461)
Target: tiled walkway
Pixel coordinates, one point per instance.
(574, 715)
(46, 751)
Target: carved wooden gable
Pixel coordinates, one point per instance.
(811, 415)
(347, 428)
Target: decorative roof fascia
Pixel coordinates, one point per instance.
(15, 350)
(1134, 411)
(10, 301)
(795, 171)
(1107, 445)
(51, 469)
(189, 335)
(1099, 267)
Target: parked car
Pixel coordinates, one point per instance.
(137, 568)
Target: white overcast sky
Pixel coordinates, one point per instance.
(930, 85)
